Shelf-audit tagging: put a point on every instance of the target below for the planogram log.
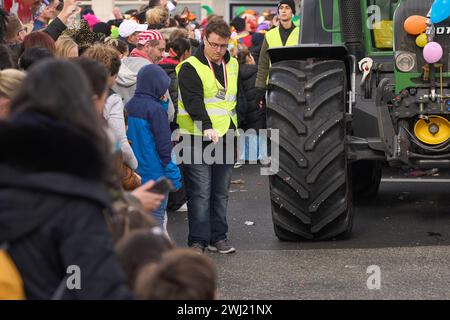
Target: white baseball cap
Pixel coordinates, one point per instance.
(128, 27)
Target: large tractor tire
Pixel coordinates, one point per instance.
(366, 178)
(311, 193)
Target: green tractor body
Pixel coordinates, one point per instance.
(354, 95)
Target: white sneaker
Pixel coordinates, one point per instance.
(183, 208)
(237, 165)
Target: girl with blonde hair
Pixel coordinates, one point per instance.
(66, 47)
(157, 17)
(10, 81)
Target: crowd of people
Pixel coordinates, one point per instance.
(88, 112)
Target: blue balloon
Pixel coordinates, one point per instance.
(440, 11)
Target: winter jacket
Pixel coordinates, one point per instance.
(55, 28)
(149, 129)
(251, 116)
(114, 116)
(52, 206)
(125, 84)
(191, 89)
(169, 66)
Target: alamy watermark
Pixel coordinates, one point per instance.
(374, 19)
(374, 280)
(73, 281)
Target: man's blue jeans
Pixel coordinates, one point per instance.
(207, 189)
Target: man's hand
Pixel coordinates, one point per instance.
(261, 97)
(149, 200)
(117, 14)
(212, 135)
(70, 8)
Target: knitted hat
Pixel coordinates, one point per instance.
(146, 36)
(238, 23)
(290, 3)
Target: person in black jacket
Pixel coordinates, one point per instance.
(208, 74)
(250, 114)
(179, 50)
(52, 195)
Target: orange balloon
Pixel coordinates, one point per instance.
(415, 25)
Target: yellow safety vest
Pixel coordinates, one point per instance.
(220, 111)
(274, 40)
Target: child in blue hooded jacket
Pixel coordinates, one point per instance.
(149, 130)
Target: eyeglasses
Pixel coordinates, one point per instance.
(216, 46)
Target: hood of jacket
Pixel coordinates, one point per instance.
(152, 80)
(129, 69)
(44, 163)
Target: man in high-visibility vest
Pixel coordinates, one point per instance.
(208, 88)
(286, 34)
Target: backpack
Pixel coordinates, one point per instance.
(11, 283)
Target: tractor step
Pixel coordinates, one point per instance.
(430, 164)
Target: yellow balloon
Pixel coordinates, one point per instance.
(422, 40)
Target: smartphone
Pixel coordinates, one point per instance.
(162, 186)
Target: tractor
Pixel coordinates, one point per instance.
(358, 93)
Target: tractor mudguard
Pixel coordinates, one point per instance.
(316, 51)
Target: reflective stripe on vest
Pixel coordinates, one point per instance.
(230, 98)
(220, 111)
(212, 112)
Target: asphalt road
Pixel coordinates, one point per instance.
(405, 231)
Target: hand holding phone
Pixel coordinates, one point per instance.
(162, 186)
(150, 201)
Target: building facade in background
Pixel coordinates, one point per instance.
(103, 8)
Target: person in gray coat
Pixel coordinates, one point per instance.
(114, 106)
(146, 52)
